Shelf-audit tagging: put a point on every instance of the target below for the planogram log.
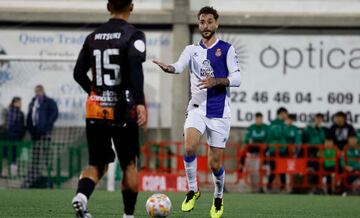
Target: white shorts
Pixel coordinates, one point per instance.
(217, 129)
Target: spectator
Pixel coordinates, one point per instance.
(277, 137)
(330, 158)
(350, 163)
(2, 120)
(42, 114)
(15, 120)
(256, 136)
(341, 130)
(315, 133)
(314, 136)
(358, 135)
(256, 133)
(292, 132)
(15, 130)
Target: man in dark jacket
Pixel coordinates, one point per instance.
(42, 114)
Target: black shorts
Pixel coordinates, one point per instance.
(126, 142)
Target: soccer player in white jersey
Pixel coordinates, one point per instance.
(214, 67)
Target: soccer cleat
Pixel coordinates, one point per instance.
(79, 204)
(217, 208)
(189, 202)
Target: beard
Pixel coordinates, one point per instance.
(203, 34)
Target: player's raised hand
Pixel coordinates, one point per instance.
(165, 67)
(141, 115)
(206, 83)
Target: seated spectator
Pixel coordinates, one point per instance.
(341, 130)
(256, 136)
(330, 158)
(350, 163)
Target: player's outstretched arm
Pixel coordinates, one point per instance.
(165, 67)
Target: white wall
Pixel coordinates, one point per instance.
(71, 5)
(282, 6)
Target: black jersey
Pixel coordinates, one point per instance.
(115, 52)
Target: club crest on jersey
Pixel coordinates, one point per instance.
(218, 52)
(206, 69)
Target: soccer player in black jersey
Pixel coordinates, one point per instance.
(115, 106)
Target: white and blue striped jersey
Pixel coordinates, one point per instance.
(219, 61)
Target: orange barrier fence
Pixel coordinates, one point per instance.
(256, 166)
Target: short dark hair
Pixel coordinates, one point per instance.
(39, 87)
(14, 99)
(328, 137)
(120, 5)
(281, 110)
(319, 115)
(258, 114)
(292, 117)
(208, 10)
(340, 114)
(352, 135)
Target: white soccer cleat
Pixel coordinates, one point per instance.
(79, 203)
(128, 216)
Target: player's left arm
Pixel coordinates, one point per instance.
(233, 80)
(82, 67)
(136, 56)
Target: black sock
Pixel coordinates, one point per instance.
(129, 199)
(86, 186)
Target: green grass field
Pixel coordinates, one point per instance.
(57, 203)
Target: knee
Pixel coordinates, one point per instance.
(189, 149)
(192, 139)
(94, 172)
(215, 164)
(101, 170)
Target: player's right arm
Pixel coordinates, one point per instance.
(179, 66)
(82, 67)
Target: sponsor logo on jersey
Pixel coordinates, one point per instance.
(107, 99)
(218, 52)
(107, 36)
(206, 69)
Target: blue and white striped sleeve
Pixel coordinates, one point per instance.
(233, 67)
(183, 61)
